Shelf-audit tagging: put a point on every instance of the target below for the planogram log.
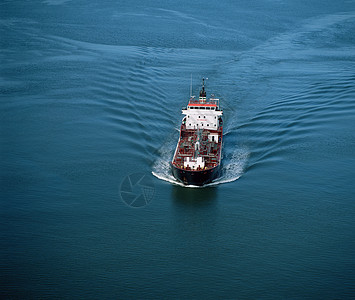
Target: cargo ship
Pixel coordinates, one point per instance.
(197, 157)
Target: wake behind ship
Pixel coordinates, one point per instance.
(197, 157)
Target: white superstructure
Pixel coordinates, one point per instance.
(202, 115)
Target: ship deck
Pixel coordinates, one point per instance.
(209, 150)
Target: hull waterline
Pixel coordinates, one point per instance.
(197, 178)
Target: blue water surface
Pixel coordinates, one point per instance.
(91, 98)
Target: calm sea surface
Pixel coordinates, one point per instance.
(91, 98)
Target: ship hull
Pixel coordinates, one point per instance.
(197, 157)
(197, 178)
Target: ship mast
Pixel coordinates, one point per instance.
(202, 97)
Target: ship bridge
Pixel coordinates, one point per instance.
(202, 113)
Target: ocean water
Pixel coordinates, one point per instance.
(91, 98)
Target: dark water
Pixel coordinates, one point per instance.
(92, 91)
